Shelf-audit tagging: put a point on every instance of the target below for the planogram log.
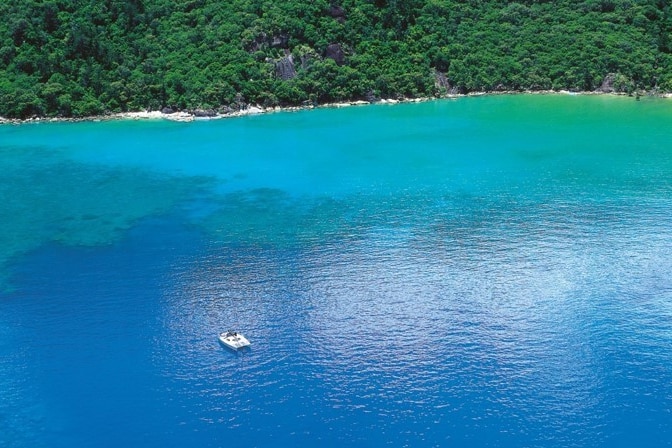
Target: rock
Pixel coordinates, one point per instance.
(284, 68)
(261, 41)
(225, 110)
(335, 52)
(337, 13)
(371, 97)
(202, 113)
(167, 111)
(280, 41)
(257, 43)
(607, 84)
(441, 82)
(238, 102)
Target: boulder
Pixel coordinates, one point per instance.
(337, 13)
(335, 52)
(202, 113)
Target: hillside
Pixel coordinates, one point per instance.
(87, 57)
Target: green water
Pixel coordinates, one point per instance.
(285, 177)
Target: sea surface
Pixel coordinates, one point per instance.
(481, 272)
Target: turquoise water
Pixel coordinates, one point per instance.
(488, 271)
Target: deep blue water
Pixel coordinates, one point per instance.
(487, 272)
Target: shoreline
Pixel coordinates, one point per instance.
(251, 109)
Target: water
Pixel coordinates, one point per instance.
(489, 271)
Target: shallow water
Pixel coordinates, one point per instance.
(488, 271)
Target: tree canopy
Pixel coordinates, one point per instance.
(86, 57)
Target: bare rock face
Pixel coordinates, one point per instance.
(335, 52)
(284, 68)
(238, 102)
(442, 84)
(441, 81)
(280, 41)
(607, 84)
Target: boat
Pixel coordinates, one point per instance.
(233, 340)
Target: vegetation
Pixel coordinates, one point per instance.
(86, 57)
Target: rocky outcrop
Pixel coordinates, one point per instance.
(257, 43)
(203, 113)
(262, 41)
(607, 84)
(371, 97)
(617, 83)
(337, 13)
(441, 81)
(284, 67)
(335, 52)
(443, 86)
(280, 41)
(239, 102)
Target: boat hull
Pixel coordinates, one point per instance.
(233, 341)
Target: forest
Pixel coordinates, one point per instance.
(78, 58)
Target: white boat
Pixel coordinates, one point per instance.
(233, 340)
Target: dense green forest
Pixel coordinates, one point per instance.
(86, 57)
